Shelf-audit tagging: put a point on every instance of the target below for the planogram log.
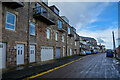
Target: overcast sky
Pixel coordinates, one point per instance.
(92, 19)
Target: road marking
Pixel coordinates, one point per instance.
(31, 77)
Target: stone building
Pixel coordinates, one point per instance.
(44, 37)
(87, 43)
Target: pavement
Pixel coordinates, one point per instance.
(36, 69)
(96, 66)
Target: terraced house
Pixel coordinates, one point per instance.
(87, 43)
(34, 32)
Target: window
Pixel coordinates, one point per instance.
(10, 21)
(68, 30)
(75, 36)
(48, 33)
(62, 38)
(56, 11)
(59, 24)
(75, 43)
(56, 36)
(32, 28)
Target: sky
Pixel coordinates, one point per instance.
(92, 19)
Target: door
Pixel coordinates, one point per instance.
(46, 53)
(63, 51)
(20, 54)
(32, 53)
(57, 52)
(2, 55)
(70, 51)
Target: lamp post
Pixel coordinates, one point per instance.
(114, 43)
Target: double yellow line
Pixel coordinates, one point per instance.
(31, 77)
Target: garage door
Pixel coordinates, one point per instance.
(32, 53)
(57, 52)
(2, 55)
(46, 53)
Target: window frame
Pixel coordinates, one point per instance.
(75, 43)
(59, 24)
(32, 26)
(49, 33)
(56, 37)
(10, 23)
(68, 30)
(63, 38)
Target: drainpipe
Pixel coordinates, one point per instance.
(66, 43)
(28, 33)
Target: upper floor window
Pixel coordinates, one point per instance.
(75, 43)
(56, 36)
(68, 30)
(62, 38)
(32, 28)
(59, 24)
(48, 33)
(75, 36)
(10, 21)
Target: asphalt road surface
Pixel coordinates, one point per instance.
(92, 66)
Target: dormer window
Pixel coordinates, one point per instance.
(56, 11)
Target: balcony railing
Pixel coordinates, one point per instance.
(71, 35)
(62, 28)
(42, 14)
(14, 4)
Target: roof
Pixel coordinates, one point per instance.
(87, 38)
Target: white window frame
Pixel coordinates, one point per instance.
(75, 43)
(56, 36)
(10, 23)
(75, 36)
(32, 26)
(63, 38)
(68, 30)
(59, 24)
(48, 33)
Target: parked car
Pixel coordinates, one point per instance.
(88, 52)
(109, 53)
(93, 51)
(83, 53)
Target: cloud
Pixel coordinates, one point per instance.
(100, 40)
(83, 0)
(82, 14)
(104, 37)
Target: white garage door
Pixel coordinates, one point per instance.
(2, 55)
(32, 53)
(20, 54)
(57, 52)
(46, 53)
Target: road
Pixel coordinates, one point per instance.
(92, 66)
